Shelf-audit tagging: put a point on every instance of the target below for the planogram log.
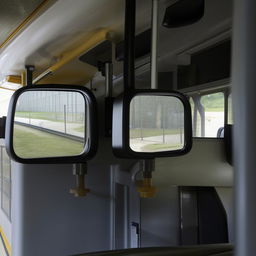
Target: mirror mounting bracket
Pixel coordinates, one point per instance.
(29, 74)
(145, 187)
(108, 68)
(80, 170)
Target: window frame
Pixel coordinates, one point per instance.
(7, 180)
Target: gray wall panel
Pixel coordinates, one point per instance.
(53, 222)
(160, 218)
(48, 220)
(204, 165)
(227, 198)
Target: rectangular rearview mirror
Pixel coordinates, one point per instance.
(151, 123)
(51, 124)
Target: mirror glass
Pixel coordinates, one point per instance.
(156, 123)
(50, 124)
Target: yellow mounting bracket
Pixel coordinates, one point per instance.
(80, 170)
(13, 79)
(145, 187)
(80, 189)
(11, 83)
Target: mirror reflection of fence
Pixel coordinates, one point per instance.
(54, 106)
(53, 121)
(156, 123)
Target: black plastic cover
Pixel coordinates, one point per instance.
(100, 54)
(142, 46)
(183, 12)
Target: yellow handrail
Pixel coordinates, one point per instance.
(24, 23)
(6, 243)
(95, 38)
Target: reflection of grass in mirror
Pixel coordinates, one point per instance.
(50, 116)
(136, 133)
(32, 143)
(161, 147)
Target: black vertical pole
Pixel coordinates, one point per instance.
(244, 105)
(29, 74)
(129, 51)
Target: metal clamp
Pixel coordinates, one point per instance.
(145, 187)
(29, 74)
(80, 170)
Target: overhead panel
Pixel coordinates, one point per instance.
(13, 13)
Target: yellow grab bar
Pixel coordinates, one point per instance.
(96, 38)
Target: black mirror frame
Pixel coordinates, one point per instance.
(120, 126)
(92, 143)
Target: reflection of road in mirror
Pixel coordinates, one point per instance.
(76, 129)
(156, 144)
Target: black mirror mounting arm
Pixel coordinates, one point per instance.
(2, 127)
(29, 74)
(129, 42)
(108, 70)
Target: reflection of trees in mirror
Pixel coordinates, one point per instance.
(52, 105)
(32, 143)
(156, 112)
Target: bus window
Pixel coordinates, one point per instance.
(5, 180)
(207, 114)
(5, 96)
(213, 105)
(5, 163)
